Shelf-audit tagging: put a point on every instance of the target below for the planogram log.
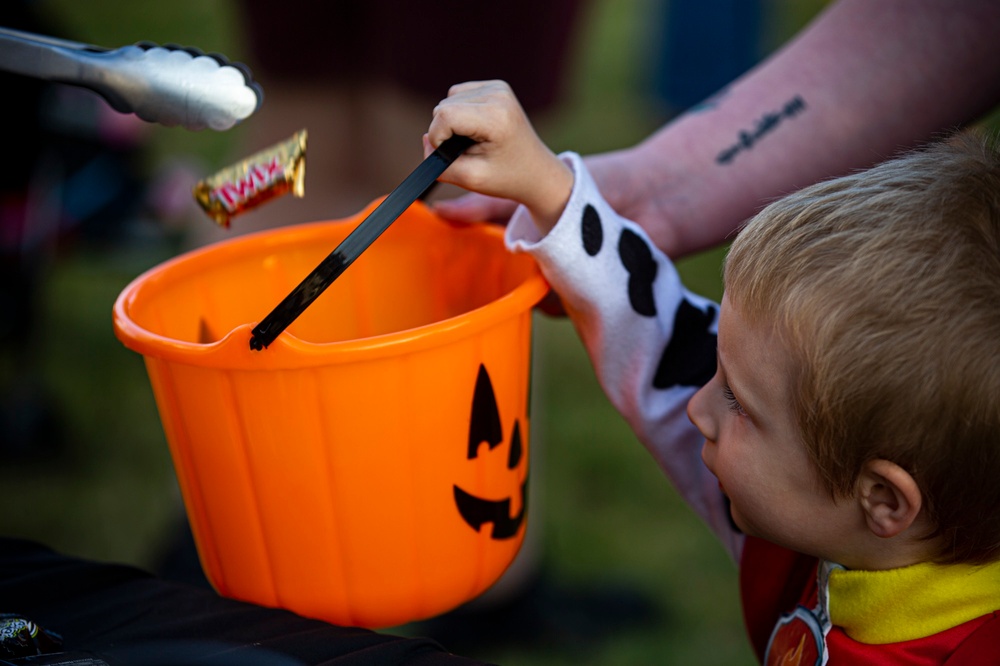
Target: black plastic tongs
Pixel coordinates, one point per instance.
(170, 85)
(412, 188)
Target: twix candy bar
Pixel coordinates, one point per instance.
(262, 176)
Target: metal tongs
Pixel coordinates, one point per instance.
(169, 84)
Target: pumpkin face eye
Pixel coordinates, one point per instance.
(485, 426)
(514, 456)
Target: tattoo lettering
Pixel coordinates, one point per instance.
(766, 124)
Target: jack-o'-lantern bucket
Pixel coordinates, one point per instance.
(370, 466)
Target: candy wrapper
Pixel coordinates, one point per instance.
(20, 637)
(263, 176)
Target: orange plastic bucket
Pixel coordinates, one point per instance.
(369, 467)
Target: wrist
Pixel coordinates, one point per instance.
(635, 183)
(551, 188)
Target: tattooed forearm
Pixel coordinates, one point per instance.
(709, 103)
(766, 124)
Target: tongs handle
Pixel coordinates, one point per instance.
(167, 84)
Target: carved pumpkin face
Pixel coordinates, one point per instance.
(485, 427)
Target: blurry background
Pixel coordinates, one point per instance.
(84, 466)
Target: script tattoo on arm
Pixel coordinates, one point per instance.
(766, 124)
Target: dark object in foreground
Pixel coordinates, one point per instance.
(125, 616)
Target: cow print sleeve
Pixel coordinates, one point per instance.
(652, 342)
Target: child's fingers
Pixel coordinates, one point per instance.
(478, 89)
(481, 110)
(473, 172)
(479, 123)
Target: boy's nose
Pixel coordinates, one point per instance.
(699, 411)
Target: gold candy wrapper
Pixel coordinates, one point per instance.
(262, 176)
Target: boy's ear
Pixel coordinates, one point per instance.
(889, 496)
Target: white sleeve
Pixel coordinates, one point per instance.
(652, 342)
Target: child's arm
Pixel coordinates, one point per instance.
(651, 342)
(508, 159)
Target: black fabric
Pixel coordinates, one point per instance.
(130, 616)
(423, 47)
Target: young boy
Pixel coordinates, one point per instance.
(845, 397)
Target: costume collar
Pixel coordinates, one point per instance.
(911, 602)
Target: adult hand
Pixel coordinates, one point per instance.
(475, 207)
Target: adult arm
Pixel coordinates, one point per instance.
(862, 81)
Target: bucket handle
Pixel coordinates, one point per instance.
(335, 263)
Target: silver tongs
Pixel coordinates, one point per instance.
(170, 85)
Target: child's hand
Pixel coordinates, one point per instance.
(508, 159)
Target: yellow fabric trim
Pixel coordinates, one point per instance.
(896, 605)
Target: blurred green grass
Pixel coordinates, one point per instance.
(609, 513)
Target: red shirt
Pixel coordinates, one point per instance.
(780, 594)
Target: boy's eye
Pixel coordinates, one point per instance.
(734, 405)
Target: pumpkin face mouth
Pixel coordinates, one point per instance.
(477, 511)
(485, 426)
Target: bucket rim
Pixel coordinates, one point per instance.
(287, 351)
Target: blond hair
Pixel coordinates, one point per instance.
(885, 285)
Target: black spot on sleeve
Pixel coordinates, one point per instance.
(638, 261)
(591, 231)
(689, 358)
